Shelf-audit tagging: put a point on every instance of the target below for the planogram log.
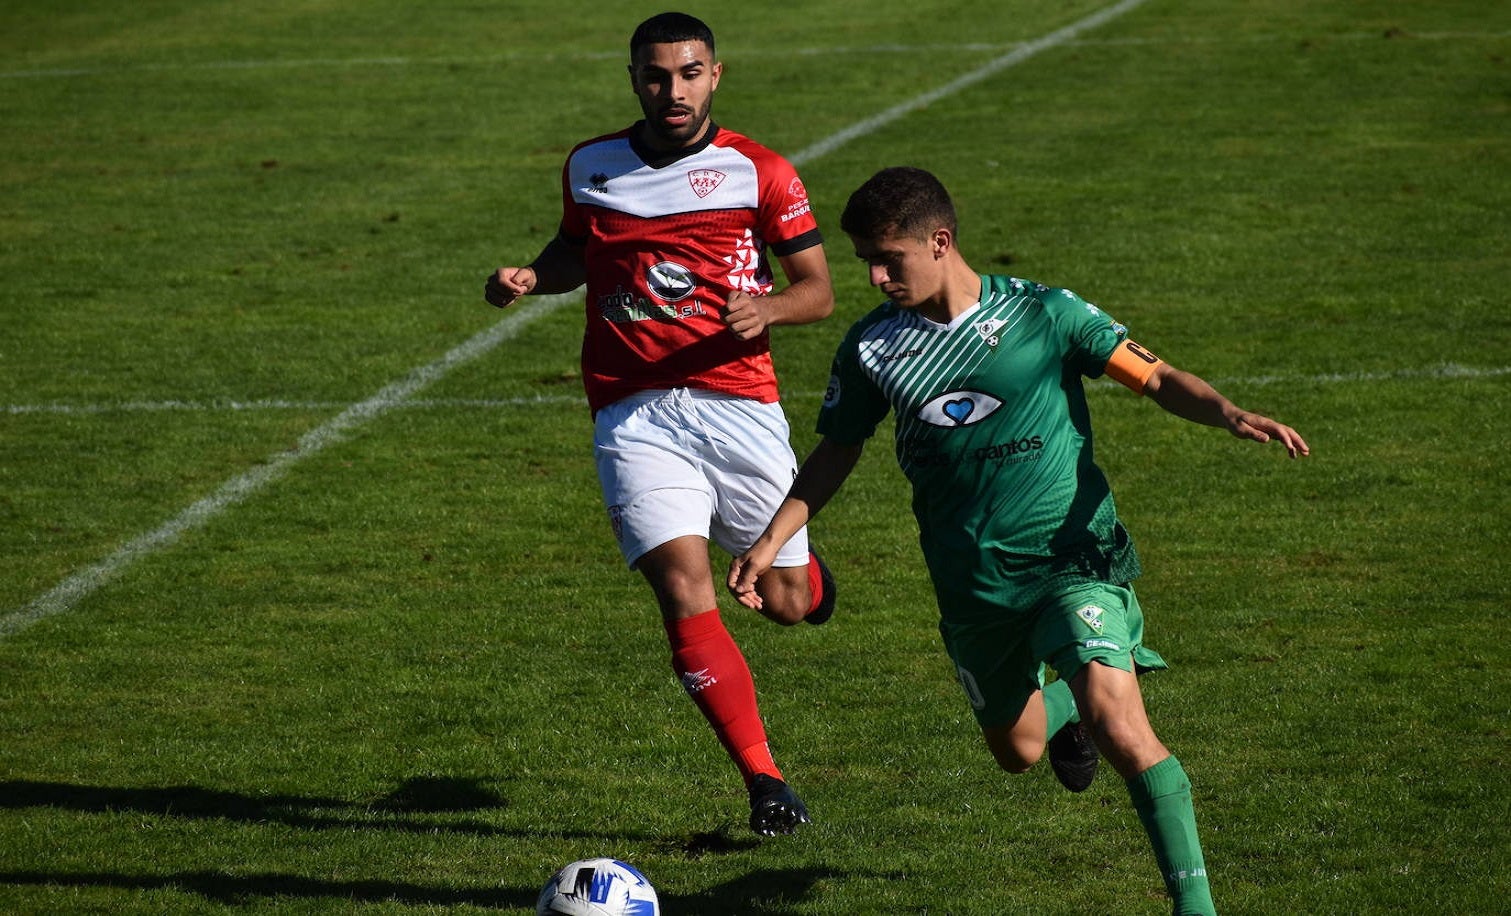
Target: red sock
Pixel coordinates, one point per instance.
(815, 582)
(716, 676)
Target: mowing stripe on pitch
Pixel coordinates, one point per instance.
(68, 593)
(745, 52)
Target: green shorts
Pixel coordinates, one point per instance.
(1001, 662)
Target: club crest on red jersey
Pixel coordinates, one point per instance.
(704, 181)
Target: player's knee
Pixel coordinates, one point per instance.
(1013, 763)
(786, 613)
(1129, 746)
(784, 597)
(1016, 756)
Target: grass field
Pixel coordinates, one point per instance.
(307, 601)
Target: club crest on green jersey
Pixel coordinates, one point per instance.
(988, 330)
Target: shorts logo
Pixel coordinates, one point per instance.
(1091, 615)
(958, 408)
(616, 519)
(972, 689)
(670, 281)
(703, 181)
(1102, 644)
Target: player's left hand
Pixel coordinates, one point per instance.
(1262, 429)
(745, 315)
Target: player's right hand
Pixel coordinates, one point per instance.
(508, 284)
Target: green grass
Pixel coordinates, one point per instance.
(410, 674)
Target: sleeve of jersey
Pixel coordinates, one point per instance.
(853, 405)
(787, 220)
(1097, 344)
(574, 227)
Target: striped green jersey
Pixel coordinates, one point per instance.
(993, 432)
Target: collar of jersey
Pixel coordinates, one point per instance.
(660, 159)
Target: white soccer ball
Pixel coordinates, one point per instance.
(598, 887)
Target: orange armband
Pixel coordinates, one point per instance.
(1132, 365)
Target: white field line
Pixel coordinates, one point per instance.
(275, 404)
(1445, 371)
(63, 596)
(67, 594)
(1015, 56)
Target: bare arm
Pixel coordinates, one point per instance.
(557, 269)
(808, 297)
(823, 472)
(1191, 398)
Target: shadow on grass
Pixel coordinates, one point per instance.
(241, 889)
(424, 804)
(418, 796)
(763, 893)
(420, 805)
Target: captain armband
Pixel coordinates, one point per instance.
(1132, 366)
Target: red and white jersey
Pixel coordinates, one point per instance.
(664, 247)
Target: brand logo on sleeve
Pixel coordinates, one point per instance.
(831, 394)
(798, 201)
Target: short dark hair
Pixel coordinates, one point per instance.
(670, 28)
(899, 200)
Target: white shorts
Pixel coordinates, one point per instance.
(686, 461)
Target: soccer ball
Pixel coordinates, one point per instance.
(598, 887)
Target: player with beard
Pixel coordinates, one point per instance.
(671, 223)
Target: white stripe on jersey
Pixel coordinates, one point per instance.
(609, 174)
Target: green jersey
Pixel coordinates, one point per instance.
(993, 432)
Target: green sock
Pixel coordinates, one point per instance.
(1162, 797)
(1059, 706)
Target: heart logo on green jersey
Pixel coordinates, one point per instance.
(959, 410)
(954, 409)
